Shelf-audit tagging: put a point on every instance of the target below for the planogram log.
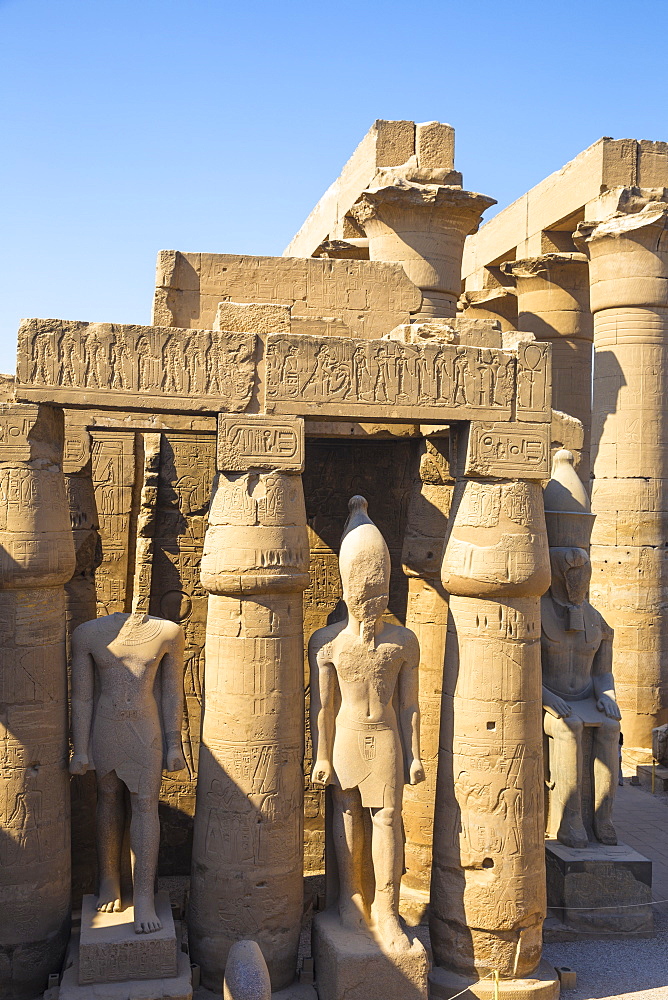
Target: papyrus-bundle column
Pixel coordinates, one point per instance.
(553, 304)
(628, 267)
(421, 226)
(36, 560)
(247, 873)
(488, 882)
(427, 616)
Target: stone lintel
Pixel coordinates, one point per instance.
(386, 380)
(124, 367)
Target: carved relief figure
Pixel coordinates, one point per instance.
(123, 736)
(361, 667)
(578, 686)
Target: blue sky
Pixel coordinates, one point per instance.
(129, 127)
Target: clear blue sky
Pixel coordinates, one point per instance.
(130, 126)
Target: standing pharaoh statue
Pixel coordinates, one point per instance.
(127, 707)
(581, 711)
(365, 724)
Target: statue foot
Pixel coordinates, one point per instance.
(605, 832)
(392, 935)
(573, 837)
(351, 914)
(146, 919)
(109, 897)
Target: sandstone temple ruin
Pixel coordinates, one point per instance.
(347, 566)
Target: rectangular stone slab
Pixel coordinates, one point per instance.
(386, 380)
(504, 450)
(111, 952)
(351, 966)
(256, 442)
(122, 367)
(177, 987)
(585, 887)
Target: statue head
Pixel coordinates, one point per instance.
(364, 563)
(571, 574)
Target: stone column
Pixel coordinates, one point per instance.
(423, 228)
(427, 616)
(628, 267)
(247, 874)
(36, 560)
(491, 303)
(553, 304)
(488, 883)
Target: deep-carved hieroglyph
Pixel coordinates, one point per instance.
(506, 450)
(351, 378)
(134, 367)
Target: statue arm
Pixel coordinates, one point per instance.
(604, 683)
(172, 701)
(323, 704)
(83, 686)
(409, 710)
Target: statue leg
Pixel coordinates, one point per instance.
(144, 843)
(348, 836)
(566, 774)
(606, 769)
(387, 849)
(110, 818)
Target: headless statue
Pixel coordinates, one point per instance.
(365, 724)
(576, 654)
(127, 706)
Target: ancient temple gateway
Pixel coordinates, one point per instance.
(399, 358)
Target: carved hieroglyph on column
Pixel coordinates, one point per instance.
(427, 616)
(553, 304)
(421, 226)
(248, 843)
(628, 270)
(37, 559)
(488, 883)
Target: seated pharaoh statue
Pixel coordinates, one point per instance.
(365, 726)
(127, 707)
(581, 711)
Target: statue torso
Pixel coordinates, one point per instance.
(567, 655)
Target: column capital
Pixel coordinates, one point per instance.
(420, 223)
(624, 224)
(547, 265)
(628, 256)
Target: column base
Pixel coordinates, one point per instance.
(352, 966)
(543, 985)
(601, 877)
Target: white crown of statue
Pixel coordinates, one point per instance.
(568, 515)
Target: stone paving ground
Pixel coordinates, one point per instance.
(636, 969)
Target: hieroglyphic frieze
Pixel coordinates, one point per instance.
(534, 382)
(116, 366)
(357, 378)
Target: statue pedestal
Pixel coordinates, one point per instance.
(111, 952)
(353, 966)
(607, 879)
(543, 985)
